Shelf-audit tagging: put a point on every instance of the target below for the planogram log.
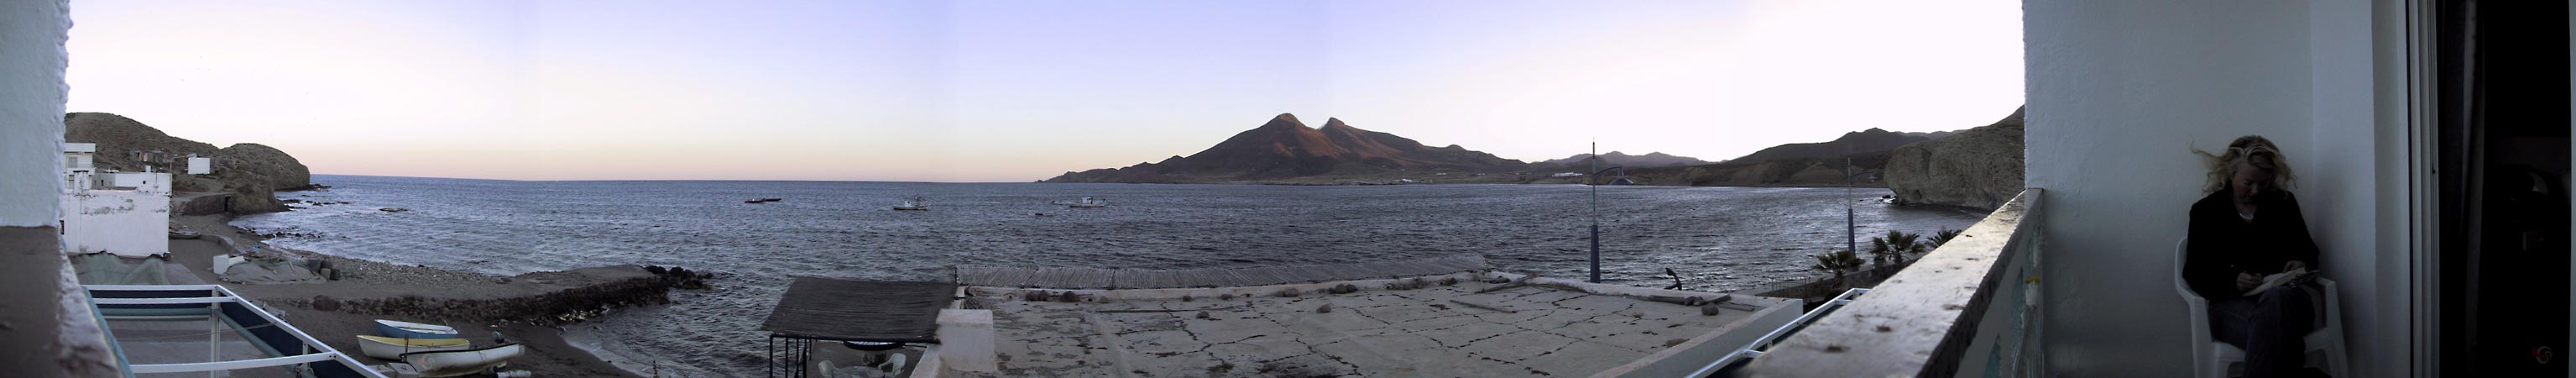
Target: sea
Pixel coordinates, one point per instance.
(1714, 238)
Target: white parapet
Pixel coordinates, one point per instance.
(128, 223)
(966, 340)
(156, 182)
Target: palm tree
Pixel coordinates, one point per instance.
(1943, 237)
(1907, 243)
(1837, 261)
(1894, 246)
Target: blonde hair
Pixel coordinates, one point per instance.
(2250, 150)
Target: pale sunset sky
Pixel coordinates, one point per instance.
(1014, 91)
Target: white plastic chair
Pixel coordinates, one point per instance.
(2211, 358)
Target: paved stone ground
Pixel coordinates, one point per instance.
(1372, 333)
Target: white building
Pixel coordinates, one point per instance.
(122, 213)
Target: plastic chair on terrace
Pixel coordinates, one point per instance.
(2211, 358)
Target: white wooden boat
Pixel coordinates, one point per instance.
(1088, 203)
(914, 204)
(461, 362)
(410, 330)
(392, 348)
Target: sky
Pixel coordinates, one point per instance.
(1016, 91)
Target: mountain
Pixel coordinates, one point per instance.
(251, 171)
(1979, 167)
(1285, 148)
(1935, 135)
(1872, 140)
(1650, 159)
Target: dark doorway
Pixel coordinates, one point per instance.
(2502, 172)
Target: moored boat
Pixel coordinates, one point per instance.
(913, 204)
(1088, 203)
(410, 330)
(392, 348)
(461, 362)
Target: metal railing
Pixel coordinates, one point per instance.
(288, 345)
(1761, 345)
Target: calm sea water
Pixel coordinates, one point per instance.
(1718, 238)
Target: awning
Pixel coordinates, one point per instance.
(844, 310)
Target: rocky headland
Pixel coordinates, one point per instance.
(1285, 150)
(245, 176)
(1978, 168)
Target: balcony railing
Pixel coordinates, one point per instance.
(1969, 308)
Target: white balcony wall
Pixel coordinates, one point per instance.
(2119, 94)
(31, 110)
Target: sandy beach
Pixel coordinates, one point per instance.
(548, 353)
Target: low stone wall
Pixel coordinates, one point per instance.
(552, 308)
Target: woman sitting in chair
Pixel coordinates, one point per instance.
(2247, 228)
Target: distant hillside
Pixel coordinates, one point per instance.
(1822, 171)
(1872, 140)
(1964, 168)
(251, 170)
(1650, 159)
(1979, 167)
(1285, 148)
(1936, 135)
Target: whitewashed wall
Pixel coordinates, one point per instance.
(2119, 92)
(31, 109)
(124, 222)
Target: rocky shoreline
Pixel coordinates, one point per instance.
(528, 308)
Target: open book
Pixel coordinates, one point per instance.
(2282, 278)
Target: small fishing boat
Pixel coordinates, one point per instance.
(765, 200)
(1088, 203)
(452, 363)
(392, 348)
(914, 204)
(410, 330)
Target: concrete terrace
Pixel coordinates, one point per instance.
(1548, 328)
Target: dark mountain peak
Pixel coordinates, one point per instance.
(1870, 132)
(1285, 148)
(1284, 120)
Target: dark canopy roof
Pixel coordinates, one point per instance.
(842, 310)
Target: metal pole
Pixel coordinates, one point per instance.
(215, 337)
(1595, 165)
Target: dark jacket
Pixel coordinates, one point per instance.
(2223, 243)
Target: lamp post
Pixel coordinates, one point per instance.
(1593, 164)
